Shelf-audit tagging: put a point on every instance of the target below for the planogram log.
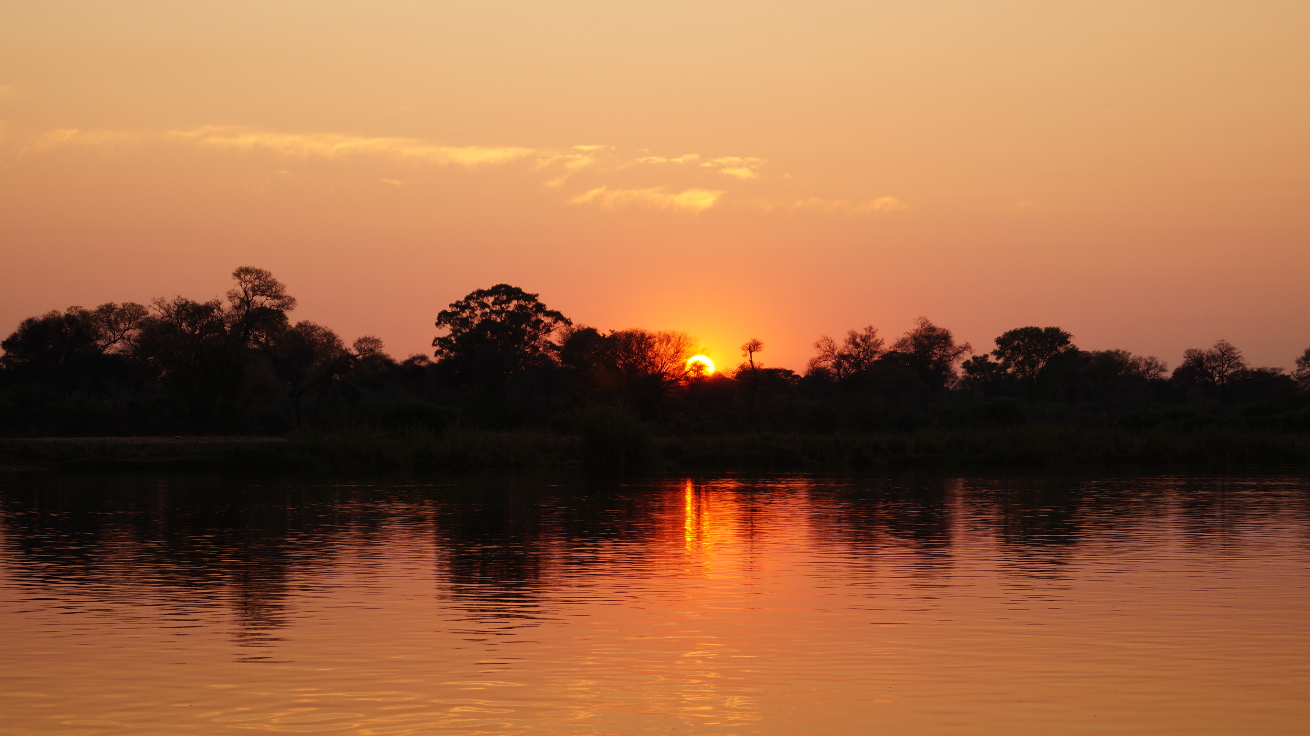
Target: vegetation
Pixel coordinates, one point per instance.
(513, 382)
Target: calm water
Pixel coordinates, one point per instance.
(783, 605)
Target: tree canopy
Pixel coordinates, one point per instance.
(498, 333)
(1025, 351)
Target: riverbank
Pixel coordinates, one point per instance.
(370, 450)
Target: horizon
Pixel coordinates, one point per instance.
(1135, 175)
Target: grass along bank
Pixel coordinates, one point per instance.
(632, 448)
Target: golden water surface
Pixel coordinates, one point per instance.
(719, 605)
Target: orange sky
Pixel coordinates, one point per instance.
(1137, 173)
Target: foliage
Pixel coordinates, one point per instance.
(930, 351)
(494, 335)
(508, 363)
(856, 353)
(1025, 351)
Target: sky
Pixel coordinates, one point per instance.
(1137, 173)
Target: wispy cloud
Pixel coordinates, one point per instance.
(695, 200)
(683, 183)
(683, 159)
(111, 141)
(741, 167)
(9, 91)
(335, 145)
(847, 207)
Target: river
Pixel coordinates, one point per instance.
(519, 604)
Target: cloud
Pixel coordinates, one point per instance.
(670, 183)
(695, 200)
(109, 140)
(880, 205)
(9, 91)
(740, 172)
(336, 145)
(683, 159)
(571, 161)
(883, 204)
(741, 167)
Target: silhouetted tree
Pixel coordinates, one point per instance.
(649, 364)
(857, 353)
(749, 349)
(494, 335)
(258, 306)
(1025, 351)
(310, 358)
(983, 376)
(186, 343)
(930, 351)
(1302, 371)
(582, 347)
(76, 348)
(1213, 368)
(1110, 377)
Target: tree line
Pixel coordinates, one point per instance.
(502, 359)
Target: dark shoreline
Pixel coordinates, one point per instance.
(1032, 446)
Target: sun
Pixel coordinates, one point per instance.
(700, 365)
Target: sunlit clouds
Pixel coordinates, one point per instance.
(693, 200)
(736, 166)
(331, 145)
(741, 167)
(688, 182)
(879, 205)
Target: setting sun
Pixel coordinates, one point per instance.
(700, 365)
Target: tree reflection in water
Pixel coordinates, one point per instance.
(512, 551)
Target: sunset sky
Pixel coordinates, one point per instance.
(1137, 173)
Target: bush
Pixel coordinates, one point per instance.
(1002, 412)
(409, 415)
(613, 439)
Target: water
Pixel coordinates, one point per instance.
(780, 605)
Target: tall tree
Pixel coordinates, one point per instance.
(493, 335)
(311, 358)
(1302, 371)
(74, 349)
(749, 349)
(860, 350)
(649, 364)
(1025, 351)
(257, 306)
(930, 351)
(1213, 368)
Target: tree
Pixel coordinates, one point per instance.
(1213, 368)
(931, 352)
(1025, 351)
(645, 354)
(497, 334)
(857, 353)
(187, 344)
(1302, 371)
(582, 347)
(310, 358)
(983, 375)
(749, 349)
(258, 305)
(644, 366)
(118, 325)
